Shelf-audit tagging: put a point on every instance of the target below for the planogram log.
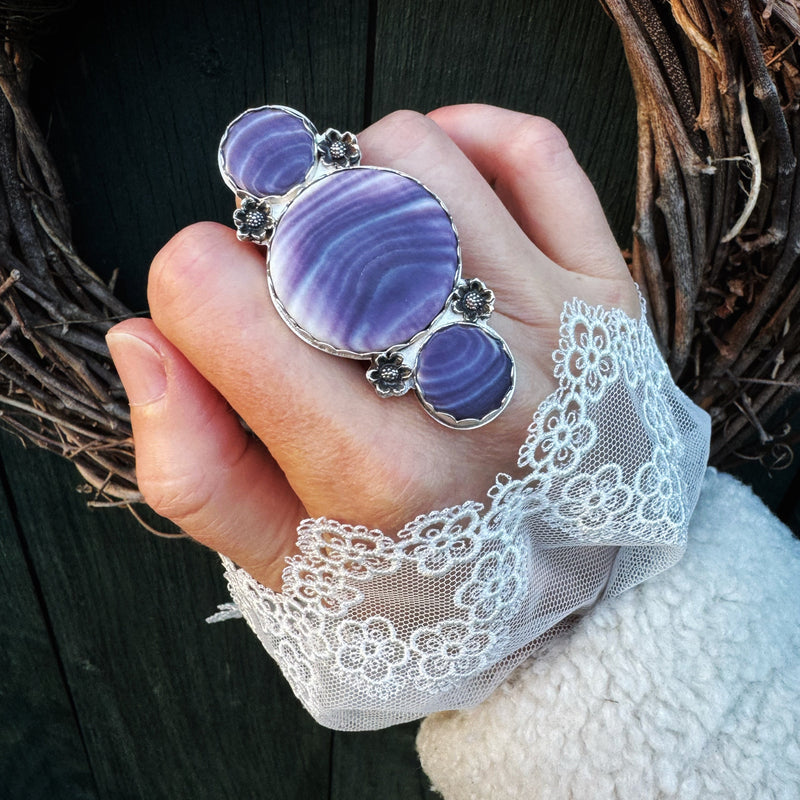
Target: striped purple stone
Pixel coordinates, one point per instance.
(364, 259)
(464, 371)
(267, 151)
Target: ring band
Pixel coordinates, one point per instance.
(364, 262)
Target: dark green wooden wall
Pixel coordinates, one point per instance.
(111, 684)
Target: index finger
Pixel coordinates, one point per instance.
(528, 285)
(529, 163)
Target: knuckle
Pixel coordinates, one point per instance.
(180, 265)
(176, 498)
(408, 131)
(540, 142)
(405, 120)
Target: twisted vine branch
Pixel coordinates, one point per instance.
(58, 388)
(717, 231)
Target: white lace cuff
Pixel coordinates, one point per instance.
(373, 631)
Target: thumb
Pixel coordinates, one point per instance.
(195, 463)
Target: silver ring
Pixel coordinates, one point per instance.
(364, 262)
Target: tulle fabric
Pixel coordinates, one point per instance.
(372, 631)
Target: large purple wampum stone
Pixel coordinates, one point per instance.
(464, 371)
(267, 151)
(364, 259)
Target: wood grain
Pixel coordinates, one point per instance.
(42, 754)
(168, 706)
(559, 60)
(136, 96)
(378, 764)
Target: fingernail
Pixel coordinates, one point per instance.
(140, 368)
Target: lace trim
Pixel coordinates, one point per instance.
(372, 630)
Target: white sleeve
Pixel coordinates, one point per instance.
(686, 688)
(372, 630)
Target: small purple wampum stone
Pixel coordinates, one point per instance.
(267, 151)
(464, 371)
(364, 259)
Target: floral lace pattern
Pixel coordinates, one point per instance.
(372, 630)
(371, 652)
(593, 501)
(449, 652)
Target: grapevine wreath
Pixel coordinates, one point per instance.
(715, 247)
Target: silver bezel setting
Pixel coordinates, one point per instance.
(279, 205)
(275, 201)
(332, 349)
(442, 416)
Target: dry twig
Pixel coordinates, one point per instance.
(58, 386)
(719, 264)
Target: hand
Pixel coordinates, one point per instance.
(323, 443)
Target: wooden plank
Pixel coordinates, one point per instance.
(379, 764)
(778, 488)
(791, 513)
(136, 95)
(135, 98)
(168, 706)
(41, 750)
(559, 60)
